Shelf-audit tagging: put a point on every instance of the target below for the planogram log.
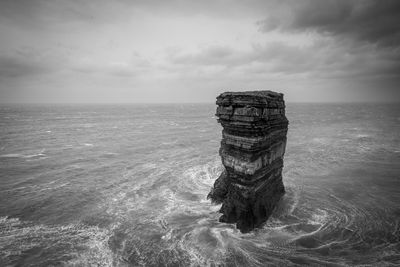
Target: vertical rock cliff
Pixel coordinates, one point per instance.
(252, 148)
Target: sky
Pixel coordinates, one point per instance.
(160, 51)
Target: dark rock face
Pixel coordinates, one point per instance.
(252, 148)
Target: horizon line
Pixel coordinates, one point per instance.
(180, 103)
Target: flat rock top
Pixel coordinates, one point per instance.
(264, 93)
(253, 98)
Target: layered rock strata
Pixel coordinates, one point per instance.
(252, 148)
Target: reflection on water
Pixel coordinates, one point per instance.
(119, 185)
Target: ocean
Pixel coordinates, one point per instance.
(126, 185)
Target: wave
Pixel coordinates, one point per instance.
(28, 156)
(160, 217)
(70, 245)
(301, 230)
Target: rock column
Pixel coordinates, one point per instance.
(252, 148)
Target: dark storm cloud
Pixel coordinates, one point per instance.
(360, 38)
(372, 21)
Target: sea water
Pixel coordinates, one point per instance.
(126, 185)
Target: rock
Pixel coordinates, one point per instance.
(220, 189)
(252, 149)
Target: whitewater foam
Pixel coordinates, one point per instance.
(19, 236)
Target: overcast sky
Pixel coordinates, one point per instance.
(192, 50)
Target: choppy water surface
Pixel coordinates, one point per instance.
(126, 185)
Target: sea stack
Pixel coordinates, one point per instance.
(252, 148)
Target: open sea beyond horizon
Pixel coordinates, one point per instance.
(126, 185)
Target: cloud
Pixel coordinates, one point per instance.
(27, 61)
(325, 58)
(76, 44)
(30, 61)
(128, 68)
(49, 14)
(45, 15)
(210, 55)
(372, 21)
(350, 39)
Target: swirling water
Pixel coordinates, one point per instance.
(126, 185)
